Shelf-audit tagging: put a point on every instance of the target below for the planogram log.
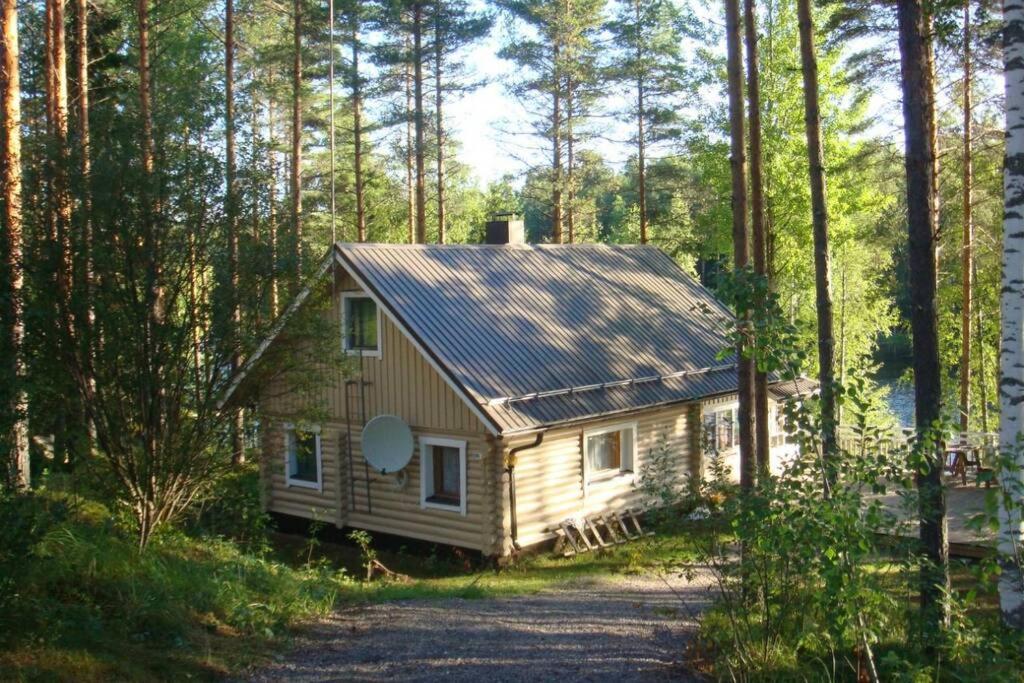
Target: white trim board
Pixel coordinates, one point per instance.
(425, 443)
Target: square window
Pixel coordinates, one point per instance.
(609, 451)
(359, 320)
(443, 476)
(303, 459)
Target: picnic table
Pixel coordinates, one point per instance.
(960, 456)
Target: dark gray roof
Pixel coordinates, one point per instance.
(800, 387)
(539, 335)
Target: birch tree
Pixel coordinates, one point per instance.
(1011, 382)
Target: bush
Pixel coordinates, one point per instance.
(85, 587)
(231, 509)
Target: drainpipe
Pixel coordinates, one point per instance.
(510, 468)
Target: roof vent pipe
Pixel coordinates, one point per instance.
(505, 228)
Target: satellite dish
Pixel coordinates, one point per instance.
(387, 444)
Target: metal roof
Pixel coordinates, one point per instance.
(538, 335)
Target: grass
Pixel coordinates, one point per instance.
(447, 575)
(80, 603)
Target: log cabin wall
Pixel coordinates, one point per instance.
(400, 382)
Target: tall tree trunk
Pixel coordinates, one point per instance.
(1011, 370)
(230, 183)
(421, 175)
(556, 153)
(979, 338)
(819, 216)
(570, 162)
(918, 116)
(60, 202)
(87, 322)
(14, 326)
(272, 204)
(296, 170)
(439, 120)
(757, 220)
(410, 191)
(641, 141)
(967, 256)
(357, 130)
(741, 251)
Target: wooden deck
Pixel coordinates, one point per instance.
(962, 503)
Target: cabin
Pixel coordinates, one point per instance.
(536, 381)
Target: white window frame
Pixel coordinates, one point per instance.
(427, 472)
(721, 408)
(289, 434)
(345, 297)
(590, 477)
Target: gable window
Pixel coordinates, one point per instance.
(609, 451)
(303, 460)
(721, 431)
(443, 474)
(360, 322)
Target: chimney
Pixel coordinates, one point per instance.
(505, 228)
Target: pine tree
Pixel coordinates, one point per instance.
(919, 119)
(16, 419)
(649, 63)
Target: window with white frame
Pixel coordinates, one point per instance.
(609, 451)
(303, 460)
(360, 324)
(721, 431)
(443, 474)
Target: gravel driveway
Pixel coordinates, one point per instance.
(624, 628)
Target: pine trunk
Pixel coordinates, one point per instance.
(967, 256)
(819, 217)
(918, 115)
(1011, 370)
(741, 251)
(439, 121)
(14, 325)
(641, 139)
(87, 322)
(556, 155)
(232, 206)
(357, 130)
(418, 118)
(410, 193)
(570, 164)
(272, 206)
(296, 169)
(762, 442)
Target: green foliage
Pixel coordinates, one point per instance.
(83, 586)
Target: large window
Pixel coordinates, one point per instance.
(443, 474)
(303, 460)
(360, 324)
(609, 451)
(721, 432)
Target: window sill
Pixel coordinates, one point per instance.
(624, 476)
(302, 483)
(448, 507)
(365, 353)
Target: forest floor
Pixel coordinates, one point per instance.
(625, 627)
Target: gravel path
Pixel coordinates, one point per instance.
(623, 628)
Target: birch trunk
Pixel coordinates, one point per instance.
(14, 327)
(1011, 359)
